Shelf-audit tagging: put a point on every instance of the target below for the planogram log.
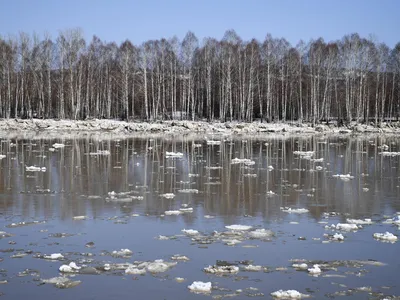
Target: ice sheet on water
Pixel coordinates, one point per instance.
(62, 282)
(200, 287)
(58, 145)
(343, 226)
(315, 270)
(132, 270)
(122, 253)
(54, 256)
(387, 236)
(221, 269)
(173, 154)
(100, 152)
(172, 212)
(294, 210)
(245, 161)
(159, 266)
(387, 153)
(168, 196)
(188, 191)
(180, 257)
(261, 233)
(35, 169)
(238, 227)
(70, 268)
(190, 231)
(79, 218)
(302, 266)
(344, 177)
(289, 294)
(252, 268)
(359, 221)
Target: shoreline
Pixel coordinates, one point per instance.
(38, 128)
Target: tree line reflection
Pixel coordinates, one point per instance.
(77, 182)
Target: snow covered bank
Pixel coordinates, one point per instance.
(68, 127)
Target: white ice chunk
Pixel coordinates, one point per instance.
(302, 266)
(159, 266)
(35, 169)
(359, 221)
(245, 161)
(189, 191)
(57, 145)
(122, 252)
(238, 227)
(190, 231)
(338, 237)
(100, 152)
(387, 236)
(315, 270)
(294, 210)
(135, 271)
(172, 212)
(221, 269)
(173, 154)
(200, 287)
(344, 176)
(252, 268)
(54, 256)
(261, 233)
(71, 268)
(289, 294)
(167, 196)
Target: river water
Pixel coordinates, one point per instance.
(88, 197)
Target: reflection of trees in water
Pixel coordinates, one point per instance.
(140, 165)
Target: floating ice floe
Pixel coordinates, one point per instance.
(100, 152)
(4, 234)
(122, 253)
(238, 227)
(167, 196)
(35, 169)
(302, 266)
(245, 161)
(315, 270)
(180, 257)
(387, 236)
(289, 294)
(261, 233)
(387, 153)
(62, 282)
(304, 154)
(221, 269)
(173, 154)
(159, 266)
(54, 256)
(343, 226)
(318, 159)
(172, 212)
(79, 218)
(190, 231)
(212, 142)
(294, 210)
(344, 177)
(200, 287)
(71, 268)
(251, 268)
(57, 145)
(359, 221)
(338, 237)
(131, 270)
(189, 191)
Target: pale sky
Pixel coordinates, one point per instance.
(139, 21)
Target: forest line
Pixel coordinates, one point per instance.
(68, 78)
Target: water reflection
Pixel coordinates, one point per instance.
(79, 176)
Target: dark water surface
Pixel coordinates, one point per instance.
(119, 194)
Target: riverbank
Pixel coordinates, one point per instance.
(61, 128)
